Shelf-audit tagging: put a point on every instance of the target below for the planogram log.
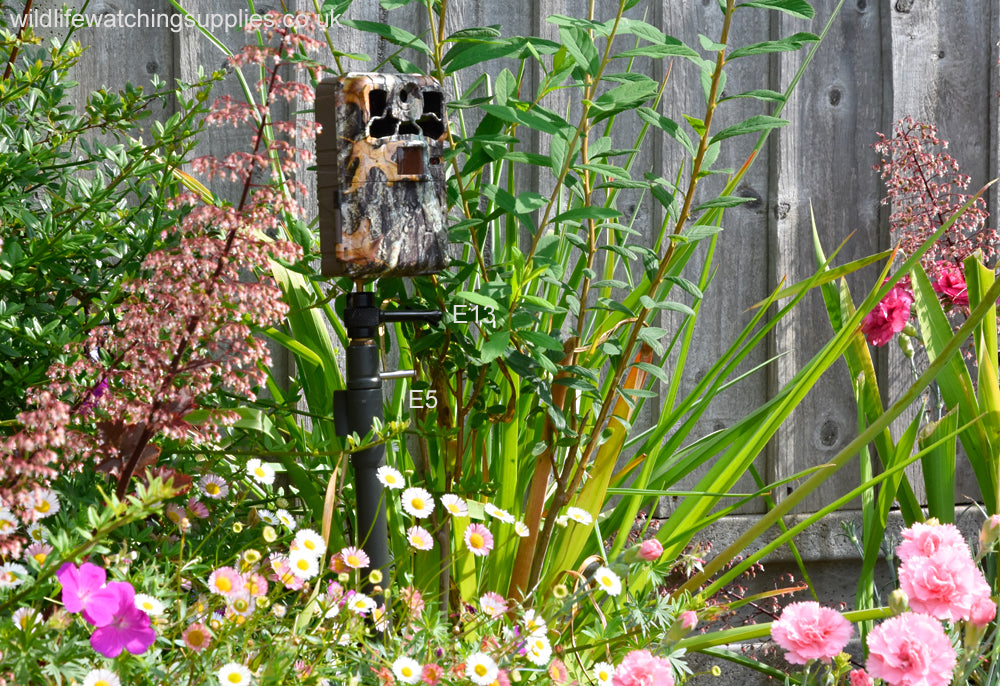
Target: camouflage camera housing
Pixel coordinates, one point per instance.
(381, 175)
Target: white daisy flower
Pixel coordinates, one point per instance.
(304, 565)
(481, 668)
(148, 604)
(406, 669)
(579, 515)
(8, 522)
(495, 512)
(214, 486)
(259, 471)
(418, 502)
(360, 604)
(608, 580)
(101, 677)
(309, 541)
(234, 674)
(603, 672)
(539, 650)
(268, 517)
(562, 520)
(45, 503)
(533, 624)
(419, 538)
(390, 478)
(26, 618)
(521, 529)
(241, 604)
(285, 517)
(455, 505)
(36, 532)
(12, 574)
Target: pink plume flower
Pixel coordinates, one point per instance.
(642, 668)
(945, 585)
(889, 317)
(129, 629)
(83, 590)
(809, 631)
(911, 650)
(924, 540)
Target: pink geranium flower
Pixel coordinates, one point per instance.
(911, 650)
(924, 540)
(642, 668)
(889, 317)
(129, 629)
(83, 590)
(944, 585)
(809, 631)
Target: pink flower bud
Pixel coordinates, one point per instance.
(990, 533)
(983, 611)
(689, 619)
(859, 677)
(650, 550)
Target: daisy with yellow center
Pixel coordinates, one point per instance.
(608, 580)
(579, 515)
(455, 505)
(234, 674)
(214, 487)
(360, 604)
(418, 502)
(148, 604)
(603, 672)
(481, 668)
(225, 581)
(478, 539)
(419, 538)
(45, 503)
(39, 552)
(303, 564)
(355, 558)
(390, 478)
(196, 637)
(260, 472)
(8, 522)
(101, 677)
(495, 512)
(310, 542)
(406, 669)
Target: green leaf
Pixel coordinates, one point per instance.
(581, 46)
(475, 33)
(480, 299)
(578, 214)
(625, 97)
(651, 304)
(710, 45)
(335, 8)
(761, 94)
(723, 201)
(796, 8)
(535, 118)
(787, 44)
(760, 122)
(468, 53)
(529, 201)
(495, 346)
(668, 126)
(393, 34)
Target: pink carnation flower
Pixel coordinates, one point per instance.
(809, 631)
(951, 286)
(642, 668)
(911, 650)
(945, 585)
(924, 540)
(889, 317)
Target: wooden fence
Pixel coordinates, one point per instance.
(933, 59)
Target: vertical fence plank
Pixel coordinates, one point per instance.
(824, 159)
(741, 253)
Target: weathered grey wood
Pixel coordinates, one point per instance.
(934, 81)
(823, 157)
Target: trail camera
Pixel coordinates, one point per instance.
(381, 175)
